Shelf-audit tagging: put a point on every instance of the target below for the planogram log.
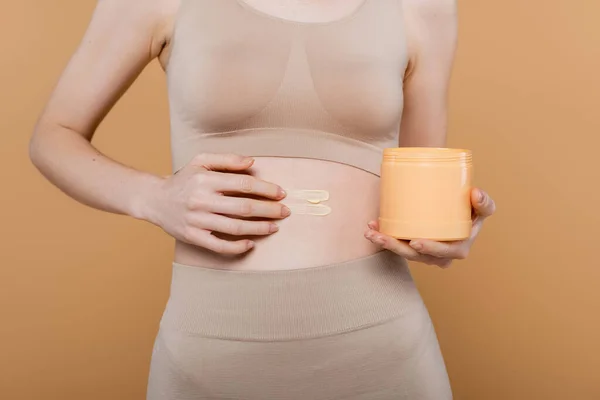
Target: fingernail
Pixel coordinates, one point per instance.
(281, 193)
(379, 240)
(273, 228)
(480, 196)
(250, 245)
(416, 245)
(369, 235)
(285, 212)
(247, 160)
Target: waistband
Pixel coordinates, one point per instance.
(290, 304)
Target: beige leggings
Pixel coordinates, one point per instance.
(355, 330)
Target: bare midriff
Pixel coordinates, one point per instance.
(305, 239)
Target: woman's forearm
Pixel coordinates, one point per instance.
(71, 163)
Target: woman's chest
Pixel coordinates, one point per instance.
(230, 63)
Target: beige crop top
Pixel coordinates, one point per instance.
(246, 82)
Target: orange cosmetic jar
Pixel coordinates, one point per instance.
(426, 193)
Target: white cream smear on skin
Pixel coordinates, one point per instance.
(308, 202)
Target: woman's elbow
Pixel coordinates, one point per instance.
(40, 143)
(36, 147)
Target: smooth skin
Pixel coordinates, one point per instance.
(207, 196)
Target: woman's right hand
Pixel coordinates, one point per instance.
(201, 198)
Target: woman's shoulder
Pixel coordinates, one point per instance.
(430, 22)
(151, 18)
(431, 12)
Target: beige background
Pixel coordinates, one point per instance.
(82, 291)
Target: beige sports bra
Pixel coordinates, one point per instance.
(246, 82)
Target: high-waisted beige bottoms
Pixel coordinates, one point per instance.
(355, 330)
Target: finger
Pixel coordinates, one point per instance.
(482, 203)
(399, 247)
(374, 225)
(222, 162)
(246, 184)
(451, 250)
(243, 207)
(235, 227)
(402, 248)
(204, 239)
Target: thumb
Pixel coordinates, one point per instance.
(222, 162)
(482, 203)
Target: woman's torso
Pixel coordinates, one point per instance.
(313, 101)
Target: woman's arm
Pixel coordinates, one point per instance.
(432, 33)
(431, 28)
(122, 38)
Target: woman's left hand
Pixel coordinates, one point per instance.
(437, 253)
